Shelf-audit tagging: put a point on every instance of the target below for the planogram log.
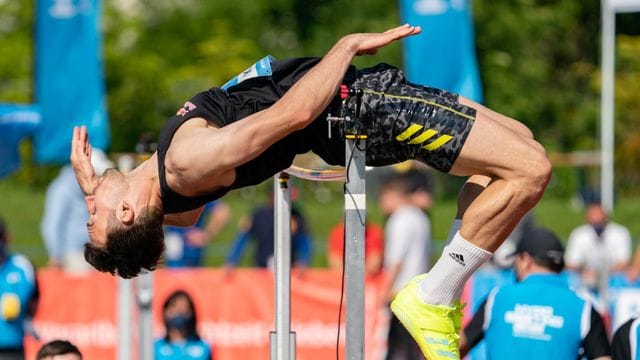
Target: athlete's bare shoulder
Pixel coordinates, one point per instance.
(192, 164)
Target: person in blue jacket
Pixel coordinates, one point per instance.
(185, 246)
(539, 317)
(181, 340)
(18, 295)
(260, 227)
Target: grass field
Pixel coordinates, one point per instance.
(21, 207)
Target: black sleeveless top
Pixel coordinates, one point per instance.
(220, 108)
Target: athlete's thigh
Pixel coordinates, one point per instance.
(495, 150)
(514, 125)
(511, 123)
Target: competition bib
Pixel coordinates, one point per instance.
(260, 68)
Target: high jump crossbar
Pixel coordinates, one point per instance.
(282, 340)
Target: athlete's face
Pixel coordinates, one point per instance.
(102, 204)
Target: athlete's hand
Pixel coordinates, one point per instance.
(369, 43)
(81, 160)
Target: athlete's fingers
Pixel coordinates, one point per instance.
(404, 30)
(74, 141)
(83, 134)
(398, 28)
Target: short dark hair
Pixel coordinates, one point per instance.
(192, 331)
(549, 264)
(130, 249)
(396, 182)
(57, 347)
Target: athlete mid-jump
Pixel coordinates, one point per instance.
(241, 135)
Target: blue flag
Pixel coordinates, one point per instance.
(443, 55)
(16, 122)
(69, 78)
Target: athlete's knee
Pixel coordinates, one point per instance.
(520, 128)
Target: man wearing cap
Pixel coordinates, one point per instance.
(540, 317)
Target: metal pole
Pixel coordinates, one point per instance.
(125, 314)
(607, 105)
(144, 298)
(355, 205)
(282, 341)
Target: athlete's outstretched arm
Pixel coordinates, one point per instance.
(245, 139)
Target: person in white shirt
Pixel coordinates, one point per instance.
(407, 237)
(598, 247)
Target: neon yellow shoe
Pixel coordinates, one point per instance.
(436, 328)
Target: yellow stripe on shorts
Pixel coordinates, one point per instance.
(437, 143)
(422, 101)
(412, 129)
(426, 135)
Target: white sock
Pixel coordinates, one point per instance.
(455, 227)
(445, 282)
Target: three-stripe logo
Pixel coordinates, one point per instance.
(423, 137)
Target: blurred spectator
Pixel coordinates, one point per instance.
(59, 350)
(406, 253)
(64, 223)
(634, 268)
(540, 317)
(181, 340)
(373, 250)
(185, 245)
(625, 345)
(260, 227)
(419, 186)
(18, 295)
(598, 247)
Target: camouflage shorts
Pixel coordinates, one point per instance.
(410, 121)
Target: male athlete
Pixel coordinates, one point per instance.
(238, 136)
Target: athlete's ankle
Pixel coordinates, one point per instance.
(446, 280)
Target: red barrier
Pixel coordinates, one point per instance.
(235, 313)
(78, 308)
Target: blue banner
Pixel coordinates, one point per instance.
(443, 55)
(16, 122)
(69, 79)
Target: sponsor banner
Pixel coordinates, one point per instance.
(443, 55)
(235, 311)
(16, 123)
(78, 308)
(69, 80)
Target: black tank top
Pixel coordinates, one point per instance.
(220, 108)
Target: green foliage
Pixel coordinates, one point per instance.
(15, 46)
(539, 61)
(628, 108)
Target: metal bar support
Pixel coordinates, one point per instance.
(144, 298)
(607, 106)
(125, 314)
(354, 222)
(282, 340)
